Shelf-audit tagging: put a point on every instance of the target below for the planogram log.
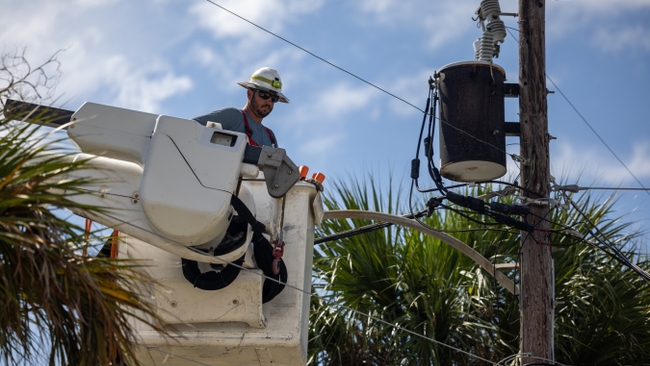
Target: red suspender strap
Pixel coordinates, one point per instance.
(249, 132)
(271, 136)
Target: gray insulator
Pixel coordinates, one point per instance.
(498, 29)
(487, 47)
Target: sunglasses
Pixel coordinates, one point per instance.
(266, 95)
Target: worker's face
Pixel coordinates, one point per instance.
(260, 107)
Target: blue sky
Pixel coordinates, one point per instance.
(183, 58)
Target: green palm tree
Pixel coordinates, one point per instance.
(414, 282)
(56, 303)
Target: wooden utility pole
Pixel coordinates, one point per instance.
(537, 278)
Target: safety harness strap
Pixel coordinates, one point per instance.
(274, 283)
(263, 252)
(211, 280)
(249, 132)
(246, 214)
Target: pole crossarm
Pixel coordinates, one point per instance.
(444, 237)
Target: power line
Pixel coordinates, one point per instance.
(615, 189)
(618, 255)
(596, 133)
(314, 55)
(575, 188)
(408, 103)
(308, 293)
(150, 348)
(353, 75)
(591, 128)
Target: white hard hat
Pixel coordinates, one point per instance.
(266, 79)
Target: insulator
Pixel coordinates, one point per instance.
(489, 7)
(477, 49)
(498, 29)
(487, 47)
(490, 11)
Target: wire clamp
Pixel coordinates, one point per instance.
(519, 159)
(541, 202)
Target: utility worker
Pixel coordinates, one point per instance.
(264, 89)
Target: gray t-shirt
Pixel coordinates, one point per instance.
(232, 119)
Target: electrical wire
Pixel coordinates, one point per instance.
(591, 128)
(353, 75)
(614, 189)
(362, 230)
(516, 186)
(607, 248)
(313, 54)
(416, 216)
(150, 348)
(597, 135)
(310, 294)
(618, 255)
(569, 234)
(372, 227)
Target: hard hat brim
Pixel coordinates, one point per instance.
(249, 85)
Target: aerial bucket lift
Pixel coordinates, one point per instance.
(177, 192)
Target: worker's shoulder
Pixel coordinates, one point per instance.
(226, 112)
(228, 115)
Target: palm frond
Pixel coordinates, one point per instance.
(49, 293)
(416, 282)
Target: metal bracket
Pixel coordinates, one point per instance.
(512, 129)
(510, 90)
(280, 172)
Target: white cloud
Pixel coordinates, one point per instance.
(639, 164)
(332, 104)
(107, 50)
(563, 18)
(29, 26)
(143, 89)
(627, 38)
(343, 98)
(322, 144)
(95, 3)
(328, 110)
(598, 6)
(206, 56)
(441, 20)
(236, 20)
(445, 26)
(592, 164)
(412, 88)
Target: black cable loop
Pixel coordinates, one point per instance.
(433, 171)
(430, 110)
(424, 119)
(415, 163)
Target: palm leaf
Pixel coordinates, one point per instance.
(418, 283)
(49, 293)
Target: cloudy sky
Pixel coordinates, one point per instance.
(183, 58)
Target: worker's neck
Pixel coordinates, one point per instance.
(252, 114)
